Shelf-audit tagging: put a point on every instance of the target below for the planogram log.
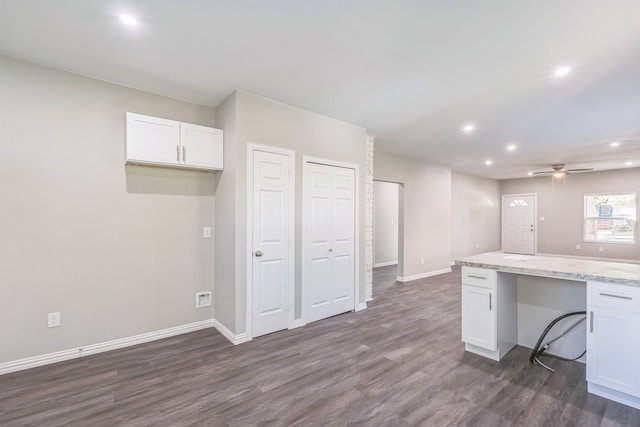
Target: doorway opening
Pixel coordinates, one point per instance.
(388, 231)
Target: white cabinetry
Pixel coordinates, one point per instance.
(489, 317)
(161, 142)
(613, 342)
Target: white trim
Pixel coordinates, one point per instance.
(361, 306)
(423, 275)
(233, 338)
(385, 264)
(356, 294)
(535, 219)
(251, 147)
(453, 263)
(297, 323)
(77, 352)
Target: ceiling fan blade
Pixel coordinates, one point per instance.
(544, 173)
(580, 170)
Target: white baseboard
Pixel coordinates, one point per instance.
(384, 264)
(423, 275)
(235, 339)
(74, 353)
(297, 323)
(361, 306)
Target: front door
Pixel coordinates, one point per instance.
(518, 224)
(271, 225)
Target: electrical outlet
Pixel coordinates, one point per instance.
(53, 320)
(421, 260)
(578, 247)
(477, 245)
(206, 232)
(600, 249)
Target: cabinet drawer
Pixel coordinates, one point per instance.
(609, 295)
(482, 277)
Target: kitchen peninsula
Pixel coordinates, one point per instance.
(494, 317)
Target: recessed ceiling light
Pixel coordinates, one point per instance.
(614, 144)
(468, 128)
(129, 20)
(530, 173)
(562, 71)
(511, 147)
(488, 162)
(628, 163)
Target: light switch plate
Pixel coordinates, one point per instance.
(206, 232)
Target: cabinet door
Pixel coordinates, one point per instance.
(613, 349)
(152, 140)
(201, 146)
(479, 317)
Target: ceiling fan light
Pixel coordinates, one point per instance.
(558, 174)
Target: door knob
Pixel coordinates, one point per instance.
(258, 253)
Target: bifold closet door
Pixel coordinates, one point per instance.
(330, 262)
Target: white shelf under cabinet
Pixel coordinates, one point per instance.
(153, 141)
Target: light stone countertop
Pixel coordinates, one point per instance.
(557, 267)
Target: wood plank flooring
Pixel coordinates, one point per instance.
(398, 363)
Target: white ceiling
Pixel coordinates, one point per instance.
(411, 72)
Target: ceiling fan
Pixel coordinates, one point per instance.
(558, 171)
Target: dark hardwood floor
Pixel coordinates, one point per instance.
(398, 363)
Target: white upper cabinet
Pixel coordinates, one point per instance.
(161, 142)
(200, 146)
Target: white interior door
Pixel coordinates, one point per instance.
(271, 225)
(342, 239)
(330, 248)
(518, 224)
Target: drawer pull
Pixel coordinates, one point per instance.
(490, 305)
(477, 277)
(591, 321)
(603, 294)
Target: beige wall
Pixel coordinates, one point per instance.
(117, 250)
(225, 298)
(475, 215)
(562, 206)
(264, 121)
(385, 228)
(425, 216)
